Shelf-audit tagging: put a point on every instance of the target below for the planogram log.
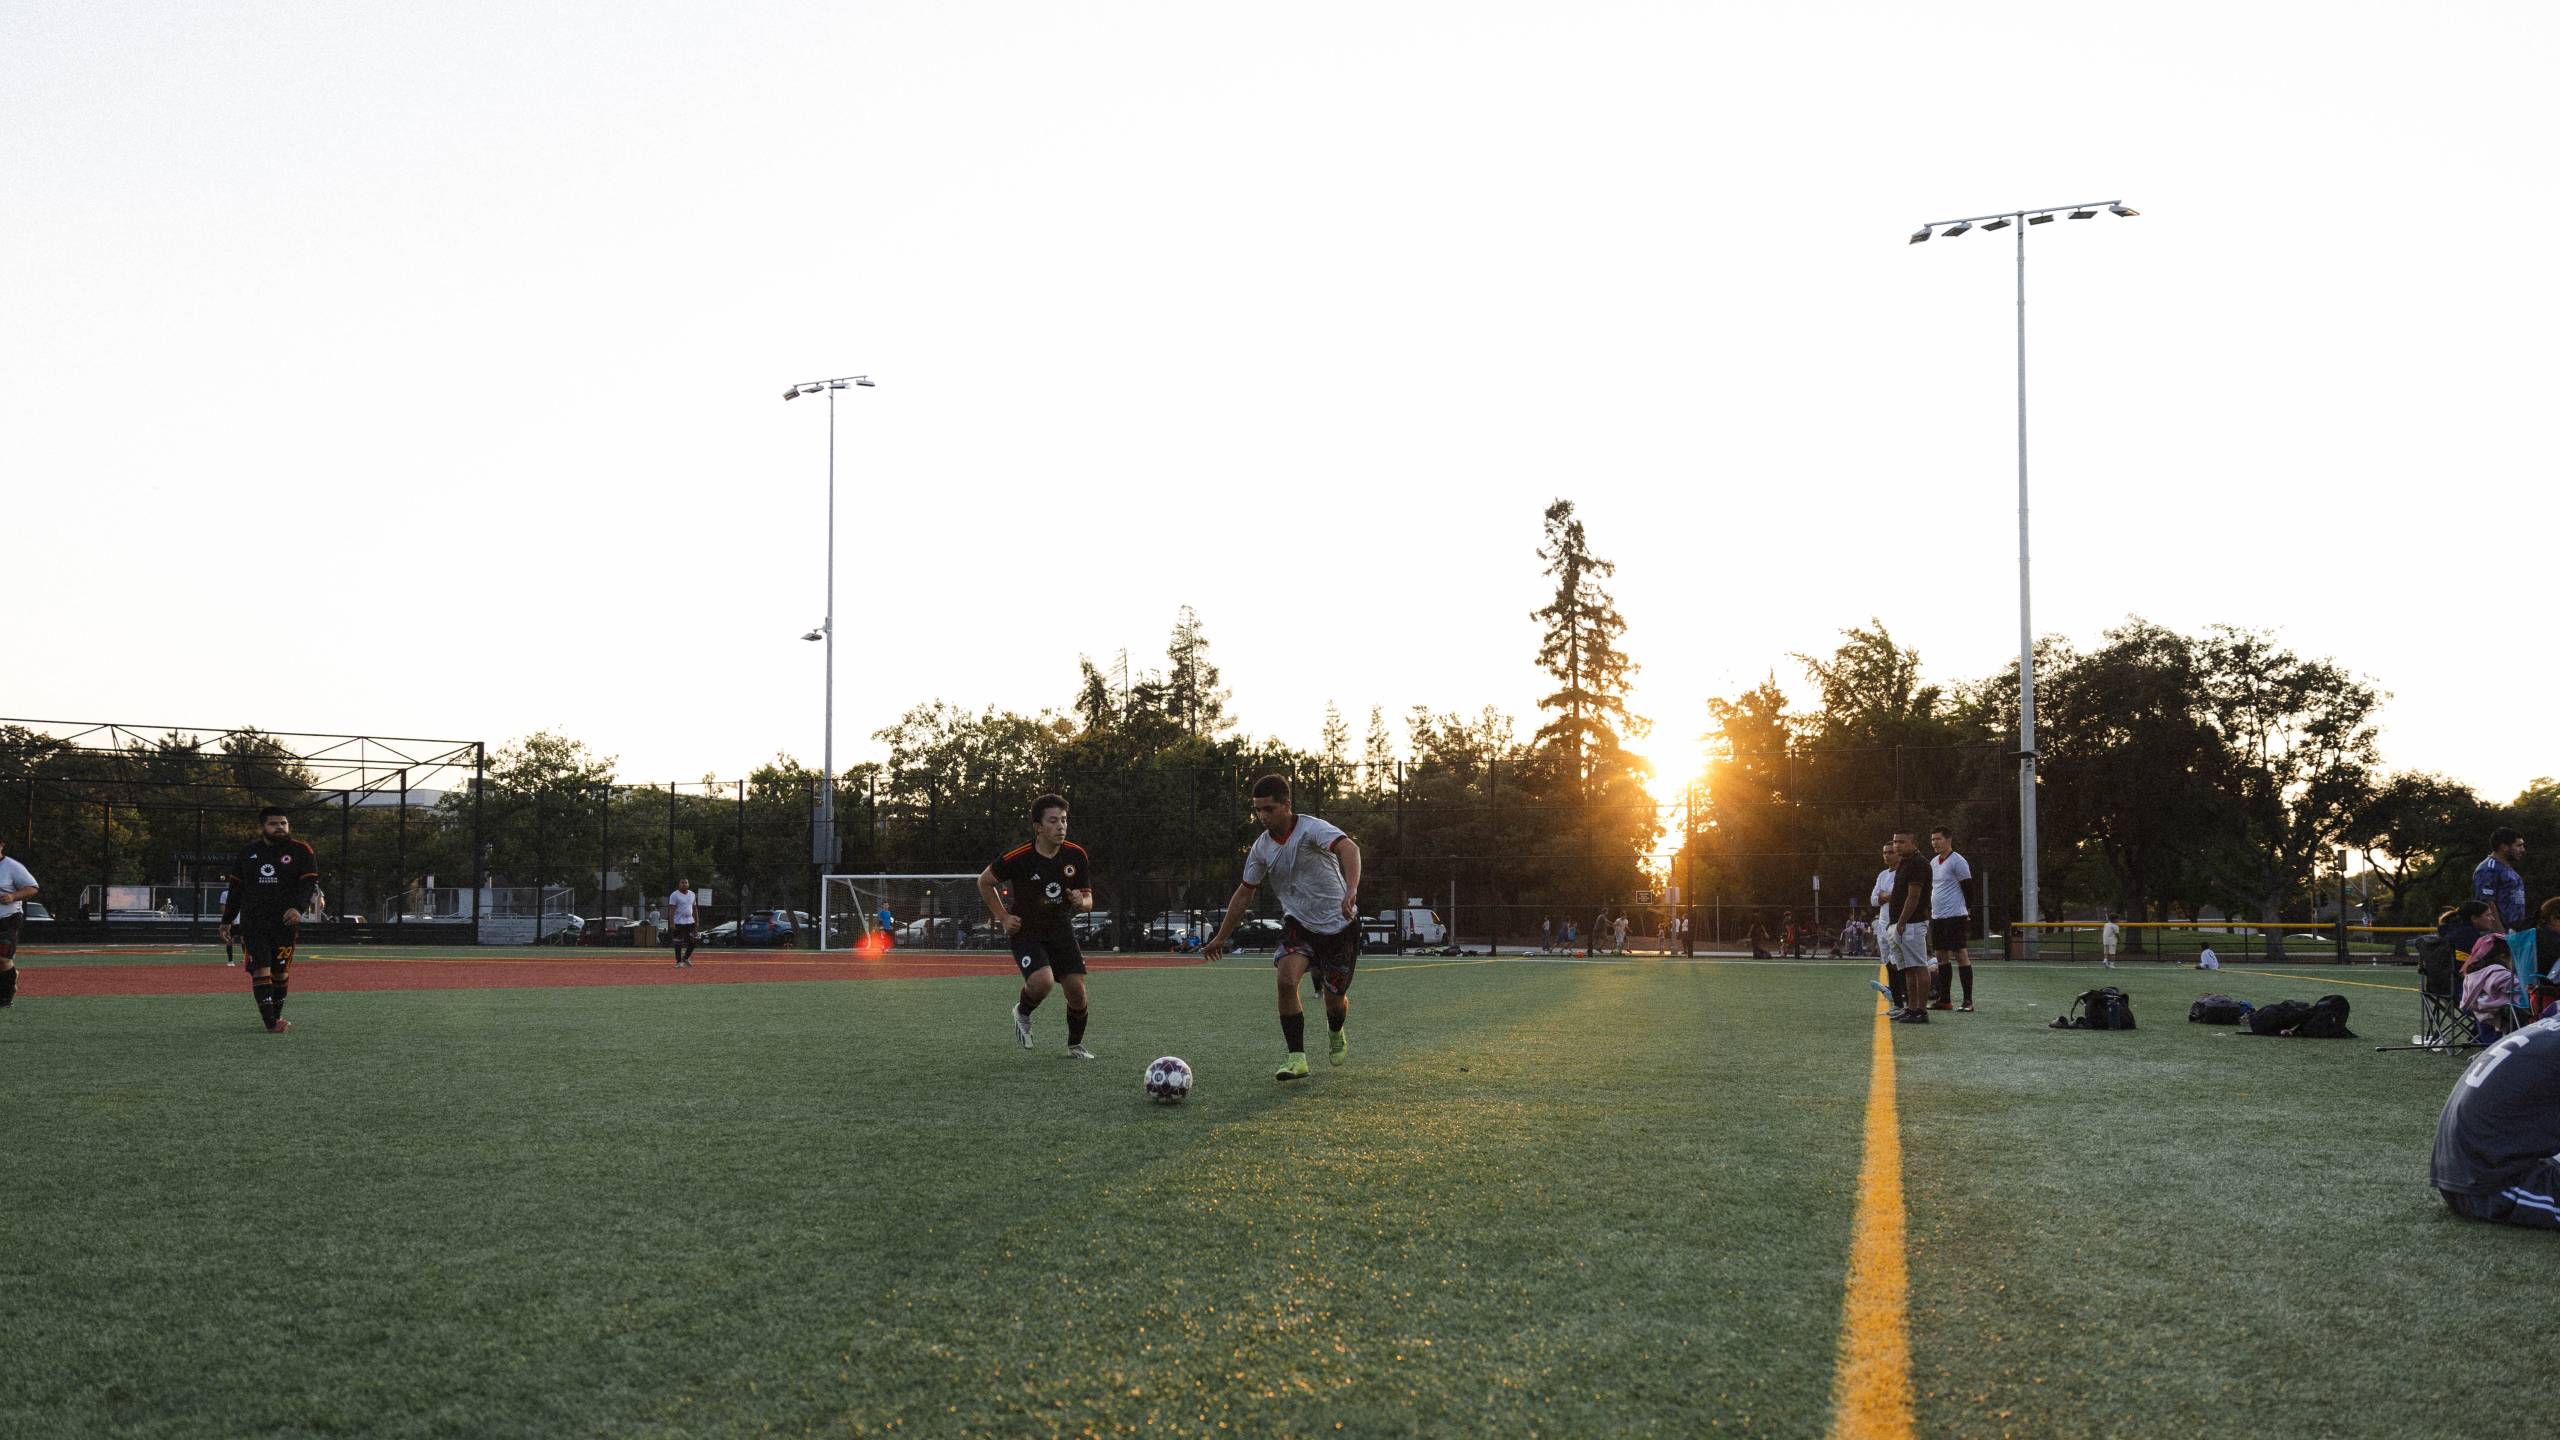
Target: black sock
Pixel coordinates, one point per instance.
(8, 985)
(1294, 1029)
(1075, 1027)
(1893, 982)
(1333, 1021)
(1966, 971)
(1027, 1003)
(264, 992)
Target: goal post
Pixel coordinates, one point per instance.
(923, 912)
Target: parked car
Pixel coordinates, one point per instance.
(940, 932)
(37, 915)
(1254, 933)
(774, 929)
(724, 933)
(559, 929)
(1092, 929)
(609, 930)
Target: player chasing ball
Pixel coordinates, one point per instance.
(273, 883)
(1315, 868)
(1051, 880)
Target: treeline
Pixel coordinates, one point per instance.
(2181, 774)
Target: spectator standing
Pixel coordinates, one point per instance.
(2495, 879)
(2108, 939)
(1910, 943)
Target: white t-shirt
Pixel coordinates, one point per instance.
(14, 876)
(2107, 938)
(1303, 872)
(1947, 875)
(681, 902)
(2207, 960)
(1883, 895)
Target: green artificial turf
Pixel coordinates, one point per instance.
(1543, 1199)
(1556, 1199)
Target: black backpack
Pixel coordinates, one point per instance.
(2217, 1010)
(2326, 1020)
(2437, 965)
(2279, 1018)
(2102, 1009)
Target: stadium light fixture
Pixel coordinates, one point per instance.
(2028, 909)
(1920, 234)
(822, 842)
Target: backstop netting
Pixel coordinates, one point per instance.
(916, 912)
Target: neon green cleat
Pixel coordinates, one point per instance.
(1295, 1068)
(1340, 1049)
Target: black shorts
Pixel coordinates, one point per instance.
(1947, 932)
(2532, 1201)
(260, 948)
(10, 926)
(681, 934)
(1333, 957)
(1055, 951)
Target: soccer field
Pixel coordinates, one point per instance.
(1544, 1198)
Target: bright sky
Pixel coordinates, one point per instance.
(418, 370)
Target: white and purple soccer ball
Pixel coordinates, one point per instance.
(1168, 1080)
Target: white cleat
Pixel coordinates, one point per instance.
(1082, 1053)
(1021, 1027)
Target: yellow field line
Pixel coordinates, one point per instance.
(1871, 1382)
(2360, 984)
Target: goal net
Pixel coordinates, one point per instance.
(873, 913)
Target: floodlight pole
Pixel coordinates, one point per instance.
(2029, 910)
(822, 848)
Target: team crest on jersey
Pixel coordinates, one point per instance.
(1071, 872)
(1055, 890)
(267, 872)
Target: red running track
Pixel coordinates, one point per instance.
(312, 976)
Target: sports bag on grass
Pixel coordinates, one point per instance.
(2327, 1020)
(2217, 1010)
(2278, 1018)
(2102, 1009)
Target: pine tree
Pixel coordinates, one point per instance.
(1191, 684)
(1581, 651)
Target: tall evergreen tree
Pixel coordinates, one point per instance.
(1580, 649)
(1191, 682)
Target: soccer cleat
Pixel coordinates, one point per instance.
(1942, 1004)
(1295, 1068)
(1082, 1053)
(278, 1026)
(1965, 1009)
(1338, 1049)
(1913, 1017)
(1022, 1027)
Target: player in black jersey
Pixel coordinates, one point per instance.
(1051, 881)
(273, 882)
(2500, 1132)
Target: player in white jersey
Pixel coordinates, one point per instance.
(17, 887)
(1315, 870)
(681, 918)
(1948, 917)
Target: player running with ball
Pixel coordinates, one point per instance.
(1316, 869)
(1052, 881)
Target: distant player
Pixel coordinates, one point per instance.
(2108, 939)
(1948, 916)
(680, 923)
(1051, 881)
(17, 887)
(230, 953)
(1315, 868)
(1910, 933)
(1882, 927)
(272, 885)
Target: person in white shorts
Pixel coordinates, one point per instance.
(1881, 896)
(1910, 934)
(2108, 938)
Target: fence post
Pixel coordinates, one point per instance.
(479, 847)
(401, 846)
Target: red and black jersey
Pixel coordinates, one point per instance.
(269, 878)
(1040, 883)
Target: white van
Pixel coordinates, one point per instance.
(1414, 923)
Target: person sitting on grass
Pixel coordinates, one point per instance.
(2500, 1130)
(2207, 960)
(2488, 988)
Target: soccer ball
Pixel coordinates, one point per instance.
(1168, 1080)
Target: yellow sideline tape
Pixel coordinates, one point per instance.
(1871, 1383)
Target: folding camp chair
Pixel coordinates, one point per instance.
(2443, 1025)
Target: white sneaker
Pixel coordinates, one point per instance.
(1082, 1053)
(1021, 1027)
